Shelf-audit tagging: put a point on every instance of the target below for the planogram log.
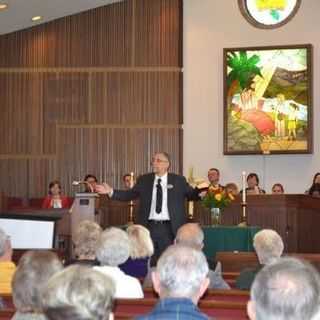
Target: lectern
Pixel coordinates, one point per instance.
(83, 208)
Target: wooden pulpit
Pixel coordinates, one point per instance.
(83, 208)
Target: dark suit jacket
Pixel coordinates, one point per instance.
(178, 191)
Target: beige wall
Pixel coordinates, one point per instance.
(210, 26)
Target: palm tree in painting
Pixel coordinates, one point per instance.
(243, 71)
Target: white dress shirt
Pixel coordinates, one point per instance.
(164, 214)
(127, 287)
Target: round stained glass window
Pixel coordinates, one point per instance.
(269, 14)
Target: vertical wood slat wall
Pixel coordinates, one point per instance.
(97, 92)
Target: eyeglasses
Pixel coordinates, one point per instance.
(156, 160)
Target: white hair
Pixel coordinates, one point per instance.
(268, 245)
(34, 270)
(181, 271)
(78, 292)
(286, 289)
(3, 242)
(141, 245)
(113, 247)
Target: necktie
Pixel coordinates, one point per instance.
(159, 197)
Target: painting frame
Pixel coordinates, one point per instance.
(229, 145)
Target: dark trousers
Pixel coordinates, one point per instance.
(162, 237)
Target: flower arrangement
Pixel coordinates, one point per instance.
(217, 197)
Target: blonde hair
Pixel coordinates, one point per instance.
(86, 238)
(141, 245)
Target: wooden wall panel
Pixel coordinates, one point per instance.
(136, 97)
(109, 153)
(14, 177)
(65, 100)
(40, 173)
(97, 92)
(21, 113)
(158, 26)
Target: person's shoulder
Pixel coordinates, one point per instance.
(146, 176)
(176, 177)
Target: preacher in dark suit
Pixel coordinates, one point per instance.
(162, 201)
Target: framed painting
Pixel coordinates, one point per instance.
(268, 100)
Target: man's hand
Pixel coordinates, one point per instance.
(202, 194)
(104, 189)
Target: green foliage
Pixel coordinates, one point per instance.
(242, 136)
(243, 69)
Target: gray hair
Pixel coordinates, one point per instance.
(77, 293)
(3, 242)
(113, 247)
(286, 289)
(268, 245)
(34, 270)
(190, 235)
(141, 245)
(181, 271)
(86, 238)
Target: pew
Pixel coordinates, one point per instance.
(7, 314)
(234, 262)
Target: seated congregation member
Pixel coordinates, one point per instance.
(91, 181)
(180, 280)
(314, 190)
(113, 249)
(55, 199)
(277, 188)
(191, 235)
(141, 249)
(85, 243)
(79, 293)
(34, 270)
(253, 184)
(269, 248)
(285, 290)
(214, 177)
(232, 188)
(126, 179)
(7, 267)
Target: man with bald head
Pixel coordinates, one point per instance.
(191, 235)
(162, 201)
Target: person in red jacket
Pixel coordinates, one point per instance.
(54, 199)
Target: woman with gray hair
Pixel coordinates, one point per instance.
(141, 249)
(113, 249)
(33, 272)
(79, 293)
(269, 247)
(85, 242)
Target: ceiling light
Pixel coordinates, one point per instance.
(36, 18)
(3, 6)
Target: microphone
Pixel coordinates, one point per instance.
(78, 183)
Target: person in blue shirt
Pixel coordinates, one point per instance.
(180, 280)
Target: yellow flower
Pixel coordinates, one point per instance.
(218, 196)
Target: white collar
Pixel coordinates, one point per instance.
(163, 178)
